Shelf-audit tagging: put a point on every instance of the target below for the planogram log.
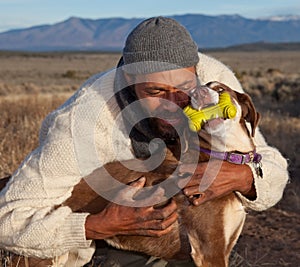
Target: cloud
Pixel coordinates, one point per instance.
(286, 10)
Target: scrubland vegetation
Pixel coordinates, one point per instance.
(32, 85)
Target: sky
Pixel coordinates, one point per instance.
(16, 14)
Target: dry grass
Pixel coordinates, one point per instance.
(285, 61)
(31, 86)
(283, 132)
(49, 73)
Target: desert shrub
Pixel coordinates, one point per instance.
(272, 71)
(240, 74)
(276, 128)
(71, 74)
(287, 90)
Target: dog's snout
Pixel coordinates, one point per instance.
(201, 91)
(204, 91)
(203, 96)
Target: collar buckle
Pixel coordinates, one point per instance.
(236, 158)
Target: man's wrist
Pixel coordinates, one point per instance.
(248, 186)
(92, 224)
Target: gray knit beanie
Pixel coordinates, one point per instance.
(158, 44)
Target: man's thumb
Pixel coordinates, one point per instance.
(139, 183)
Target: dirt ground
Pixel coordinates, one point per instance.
(269, 238)
(272, 237)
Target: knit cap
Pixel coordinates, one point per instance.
(159, 44)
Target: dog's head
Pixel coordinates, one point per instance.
(242, 101)
(219, 132)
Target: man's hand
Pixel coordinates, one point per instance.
(123, 220)
(221, 178)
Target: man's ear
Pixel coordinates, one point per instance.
(249, 112)
(128, 77)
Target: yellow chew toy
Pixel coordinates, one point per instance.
(224, 109)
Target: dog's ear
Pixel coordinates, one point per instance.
(249, 112)
(185, 142)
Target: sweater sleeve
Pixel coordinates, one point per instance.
(270, 187)
(30, 222)
(33, 220)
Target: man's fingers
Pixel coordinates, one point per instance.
(150, 198)
(182, 182)
(194, 180)
(170, 220)
(190, 168)
(186, 168)
(161, 224)
(191, 190)
(126, 195)
(161, 218)
(139, 183)
(165, 212)
(191, 180)
(151, 232)
(155, 227)
(195, 195)
(199, 199)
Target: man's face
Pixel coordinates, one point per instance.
(164, 95)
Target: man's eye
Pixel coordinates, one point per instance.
(153, 92)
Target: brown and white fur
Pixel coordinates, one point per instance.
(205, 233)
(208, 232)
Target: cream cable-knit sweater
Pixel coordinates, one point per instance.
(30, 222)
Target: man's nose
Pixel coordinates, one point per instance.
(175, 99)
(169, 101)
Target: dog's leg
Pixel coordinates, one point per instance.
(196, 253)
(234, 218)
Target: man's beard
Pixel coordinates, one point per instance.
(166, 131)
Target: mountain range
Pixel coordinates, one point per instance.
(110, 34)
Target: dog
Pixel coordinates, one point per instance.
(206, 233)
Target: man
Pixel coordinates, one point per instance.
(160, 65)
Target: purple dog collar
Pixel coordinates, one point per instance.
(234, 157)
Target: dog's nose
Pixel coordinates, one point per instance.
(203, 96)
(203, 91)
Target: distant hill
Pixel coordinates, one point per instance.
(259, 46)
(110, 34)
